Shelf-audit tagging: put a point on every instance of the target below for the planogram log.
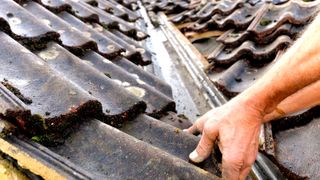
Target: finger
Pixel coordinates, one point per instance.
(251, 157)
(229, 171)
(244, 173)
(192, 130)
(232, 162)
(204, 147)
(245, 170)
(219, 145)
(197, 127)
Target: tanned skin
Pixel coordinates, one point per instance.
(303, 99)
(237, 123)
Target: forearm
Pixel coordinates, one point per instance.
(297, 68)
(303, 99)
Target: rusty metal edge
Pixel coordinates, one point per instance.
(190, 58)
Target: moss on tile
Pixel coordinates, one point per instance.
(265, 22)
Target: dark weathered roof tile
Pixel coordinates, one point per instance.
(118, 10)
(156, 101)
(68, 90)
(130, 4)
(71, 38)
(24, 26)
(31, 78)
(225, 7)
(237, 77)
(297, 143)
(225, 56)
(82, 11)
(166, 5)
(239, 18)
(145, 54)
(184, 16)
(114, 98)
(168, 138)
(53, 5)
(144, 76)
(203, 13)
(292, 12)
(113, 22)
(122, 156)
(232, 38)
(133, 53)
(106, 46)
(86, 12)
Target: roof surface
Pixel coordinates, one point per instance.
(242, 39)
(71, 80)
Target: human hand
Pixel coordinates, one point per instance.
(237, 126)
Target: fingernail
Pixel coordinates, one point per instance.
(185, 130)
(194, 156)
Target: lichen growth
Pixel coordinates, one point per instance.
(39, 121)
(105, 26)
(43, 139)
(265, 22)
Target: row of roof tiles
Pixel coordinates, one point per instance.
(50, 26)
(254, 33)
(69, 78)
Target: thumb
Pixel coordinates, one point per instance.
(205, 145)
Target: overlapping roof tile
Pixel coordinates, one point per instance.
(130, 4)
(118, 10)
(168, 6)
(225, 56)
(253, 31)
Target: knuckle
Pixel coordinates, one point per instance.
(209, 129)
(206, 128)
(199, 126)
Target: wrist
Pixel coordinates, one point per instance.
(258, 101)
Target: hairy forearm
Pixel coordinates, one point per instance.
(303, 99)
(297, 68)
